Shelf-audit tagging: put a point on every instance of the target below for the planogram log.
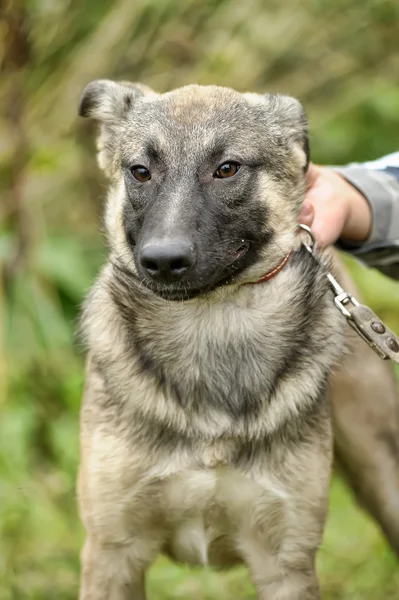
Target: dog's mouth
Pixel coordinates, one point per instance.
(201, 284)
(241, 250)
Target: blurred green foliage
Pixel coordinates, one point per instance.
(341, 59)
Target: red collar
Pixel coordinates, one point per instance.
(273, 272)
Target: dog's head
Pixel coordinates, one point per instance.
(206, 183)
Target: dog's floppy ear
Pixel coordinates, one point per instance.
(109, 101)
(291, 117)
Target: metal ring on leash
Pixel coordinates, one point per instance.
(309, 247)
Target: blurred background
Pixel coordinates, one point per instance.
(341, 59)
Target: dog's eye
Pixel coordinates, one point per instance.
(140, 173)
(227, 170)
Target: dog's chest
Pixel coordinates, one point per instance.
(222, 357)
(209, 510)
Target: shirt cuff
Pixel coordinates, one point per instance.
(380, 190)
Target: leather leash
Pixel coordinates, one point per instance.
(360, 317)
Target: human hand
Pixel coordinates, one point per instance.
(334, 208)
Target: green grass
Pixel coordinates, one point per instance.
(41, 538)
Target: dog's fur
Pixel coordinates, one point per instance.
(206, 424)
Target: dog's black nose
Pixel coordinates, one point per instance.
(167, 261)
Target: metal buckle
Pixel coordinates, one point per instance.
(341, 300)
(341, 297)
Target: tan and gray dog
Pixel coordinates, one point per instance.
(212, 335)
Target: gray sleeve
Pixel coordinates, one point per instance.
(378, 181)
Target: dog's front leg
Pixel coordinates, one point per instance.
(302, 585)
(118, 502)
(286, 522)
(277, 578)
(109, 572)
(280, 550)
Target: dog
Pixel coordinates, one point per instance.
(217, 361)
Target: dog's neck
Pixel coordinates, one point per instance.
(236, 349)
(295, 286)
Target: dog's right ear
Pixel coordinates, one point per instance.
(108, 101)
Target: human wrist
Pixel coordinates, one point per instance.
(358, 222)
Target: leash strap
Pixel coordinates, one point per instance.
(360, 317)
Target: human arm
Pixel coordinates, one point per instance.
(357, 207)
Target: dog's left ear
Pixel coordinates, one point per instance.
(291, 117)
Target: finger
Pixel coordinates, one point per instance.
(307, 214)
(326, 227)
